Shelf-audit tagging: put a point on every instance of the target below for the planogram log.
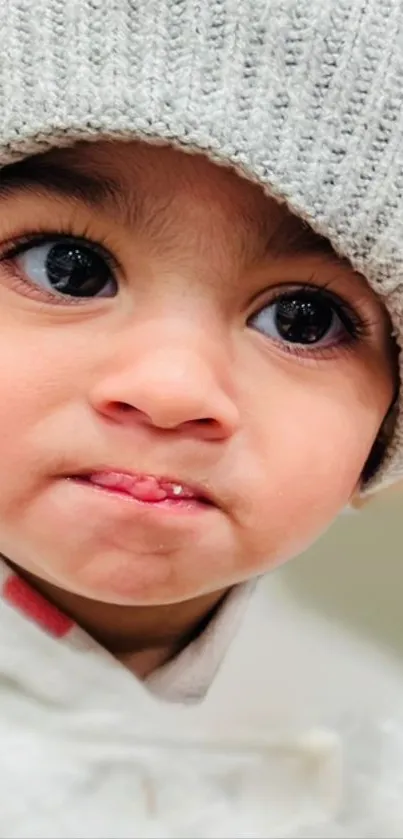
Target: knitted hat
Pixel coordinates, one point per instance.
(303, 96)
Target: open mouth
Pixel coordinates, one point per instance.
(148, 489)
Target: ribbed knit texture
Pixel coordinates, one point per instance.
(304, 96)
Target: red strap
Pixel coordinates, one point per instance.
(32, 604)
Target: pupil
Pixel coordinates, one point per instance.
(303, 320)
(76, 270)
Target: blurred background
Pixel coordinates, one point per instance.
(331, 651)
(333, 646)
(354, 574)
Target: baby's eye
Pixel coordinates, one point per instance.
(67, 266)
(306, 316)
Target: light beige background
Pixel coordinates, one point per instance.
(354, 574)
(328, 638)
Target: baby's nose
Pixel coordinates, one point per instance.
(170, 388)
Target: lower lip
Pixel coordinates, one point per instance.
(179, 506)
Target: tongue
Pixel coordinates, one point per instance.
(142, 487)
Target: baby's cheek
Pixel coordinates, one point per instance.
(32, 397)
(305, 481)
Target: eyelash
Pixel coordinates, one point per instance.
(357, 326)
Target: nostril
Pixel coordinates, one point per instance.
(121, 412)
(123, 407)
(203, 422)
(208, 428)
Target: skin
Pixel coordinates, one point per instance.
(170, 378)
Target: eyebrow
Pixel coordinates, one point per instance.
(39, 174)
(294, 237)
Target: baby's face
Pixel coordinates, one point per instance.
(190, 382)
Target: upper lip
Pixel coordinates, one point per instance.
(195, 490)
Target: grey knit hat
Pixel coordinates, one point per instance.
(303, 96)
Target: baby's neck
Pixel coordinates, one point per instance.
(147, 636)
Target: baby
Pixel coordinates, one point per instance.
(201, 228)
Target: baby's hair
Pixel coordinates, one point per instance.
(379, 447)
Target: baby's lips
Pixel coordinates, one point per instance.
(148, 488)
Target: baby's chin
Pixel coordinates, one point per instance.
(118, 583)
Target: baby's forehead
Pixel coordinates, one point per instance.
(138, 180)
